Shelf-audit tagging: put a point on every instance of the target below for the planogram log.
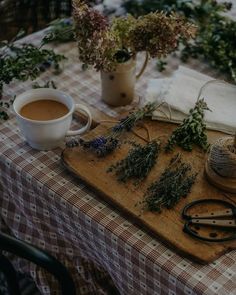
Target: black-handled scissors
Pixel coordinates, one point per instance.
(212, 219)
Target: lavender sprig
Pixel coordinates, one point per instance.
(106, 144)
(101, 146)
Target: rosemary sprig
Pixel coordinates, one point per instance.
(105, 144)
(138, 163)
(191, 131)
(174, 183)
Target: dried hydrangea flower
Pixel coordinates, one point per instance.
(100, 42)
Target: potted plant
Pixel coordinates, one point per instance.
(111, 46)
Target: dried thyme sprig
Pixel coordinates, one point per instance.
(138, 163)
(191, 131)
(174, 183)
(105, 144)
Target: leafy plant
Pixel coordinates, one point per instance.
(138, 163)
(25, 61)
(101, 43)
(191, 131)
(174, 183)
(215, 39)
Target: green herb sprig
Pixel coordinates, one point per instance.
(4, 106)
(174, 183)
(25, 61)
(138, 163)
(61, 30)
(48, 84)
(191, 131)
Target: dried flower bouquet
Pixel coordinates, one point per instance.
(104, 44)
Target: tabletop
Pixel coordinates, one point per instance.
(43, 204)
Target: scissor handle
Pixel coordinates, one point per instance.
(228, 223)
(214, 214)
(187, 229)
(206, 201)
(187, 226)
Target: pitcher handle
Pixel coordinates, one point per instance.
(144, 66)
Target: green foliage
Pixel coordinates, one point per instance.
(22, 62)
(26, 61)
(4, 106)
(174, 183)
(216, 43)
(138, 163)
(141, 7)
(215, 40)
(191, 131)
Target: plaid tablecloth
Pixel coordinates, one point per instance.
(44, 205)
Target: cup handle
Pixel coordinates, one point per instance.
(143, 66)
(82, 130)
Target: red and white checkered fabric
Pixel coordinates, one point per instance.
(44, 205)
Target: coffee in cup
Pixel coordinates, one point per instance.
(44, 110)
(45, 115)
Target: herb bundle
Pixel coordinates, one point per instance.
(174, 183)
(104, 145)
(138, 163)
(191, 131)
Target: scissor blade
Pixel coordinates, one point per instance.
(221, 223)
(220, 213)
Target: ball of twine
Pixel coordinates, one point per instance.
(222, 157)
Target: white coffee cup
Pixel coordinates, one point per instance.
(47, 135)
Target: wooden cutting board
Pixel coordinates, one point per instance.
(166, 226)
